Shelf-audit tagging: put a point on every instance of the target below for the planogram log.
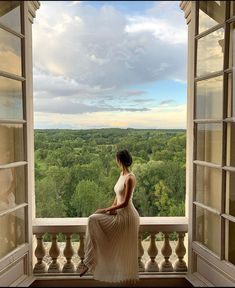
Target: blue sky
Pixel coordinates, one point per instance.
(124, 6)
(110, 64)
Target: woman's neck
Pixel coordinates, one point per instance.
(125, 171)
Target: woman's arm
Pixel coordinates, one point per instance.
(114, 212)
(103, 210)
(115, 201)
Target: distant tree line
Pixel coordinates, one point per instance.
(76, 170)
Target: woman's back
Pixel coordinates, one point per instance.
(119, 188)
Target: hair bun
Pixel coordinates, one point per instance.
(124, 157)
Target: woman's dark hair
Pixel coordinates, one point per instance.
(124, 157)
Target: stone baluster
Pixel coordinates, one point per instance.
(152, 265)
(81, 251)
(180, 250)
(140, 255)
(54, 252)
(40, 252)
(166, 265)
(68, 253)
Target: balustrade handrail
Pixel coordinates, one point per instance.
(78, 224)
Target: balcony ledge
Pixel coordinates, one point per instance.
(155, 257)
(78, 225)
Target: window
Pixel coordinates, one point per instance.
(214, 129)
(13, 160)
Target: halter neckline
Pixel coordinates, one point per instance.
(127, 174)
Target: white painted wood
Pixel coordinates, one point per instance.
(17, 207)
(13, 164)
(16, 266)
(13, 272)
(204, 253)
(29, 128)
(18, 253)
(11, 76)
(194, 249)
(24, 281)
(186, 7)
(198, 281)
(214, 275)
(32, 8)
(189, 12)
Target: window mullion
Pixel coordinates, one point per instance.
(13, 164)
(13, 209)
(11, 76)
(20, 35)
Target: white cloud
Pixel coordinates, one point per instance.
(160, 28)
(74, 106)
(84, 53)
(159, 117)
(74, 3)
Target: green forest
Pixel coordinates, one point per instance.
(75, 170)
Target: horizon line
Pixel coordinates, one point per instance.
(129, 128)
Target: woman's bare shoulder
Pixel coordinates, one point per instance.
(131, 177)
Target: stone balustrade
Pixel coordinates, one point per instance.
(151, 228)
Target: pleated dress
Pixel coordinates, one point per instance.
(111, 241)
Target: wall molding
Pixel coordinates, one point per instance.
(186, 6)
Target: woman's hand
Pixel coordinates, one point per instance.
(105, 210)
(102, 211)
(112, 212)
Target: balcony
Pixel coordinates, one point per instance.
(161, 260)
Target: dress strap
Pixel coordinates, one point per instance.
(130, 173)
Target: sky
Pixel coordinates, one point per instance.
(106, 64)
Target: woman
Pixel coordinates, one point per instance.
(111, 242)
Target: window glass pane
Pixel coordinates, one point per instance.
(11, 106)
(230, 241)
(10, 14)
(11, 144)
(231, 44)
(232, 9)
(208, 186)
(208, 229)
(211, 13)
(209, 142)
(10, 53)
(230, 193)
(210, 53)
(231, 144)
(231, 95)
(209, 98)
(12, 183)
(12, 231)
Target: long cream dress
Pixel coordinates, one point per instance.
(111, 241)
